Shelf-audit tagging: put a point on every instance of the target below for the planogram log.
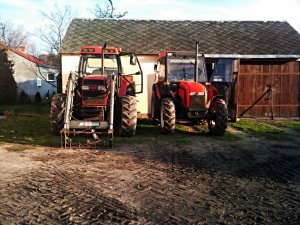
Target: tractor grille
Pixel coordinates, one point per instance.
(93, 98)
(197, 103)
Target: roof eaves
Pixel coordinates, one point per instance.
(31, 58)
(238, 56)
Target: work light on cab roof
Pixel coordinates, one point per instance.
(98, 50)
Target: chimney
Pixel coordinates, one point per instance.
(22, 48)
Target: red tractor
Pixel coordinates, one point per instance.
(100, 96)
(183, 93)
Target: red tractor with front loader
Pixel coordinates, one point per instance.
(100, 97)
(182, 92)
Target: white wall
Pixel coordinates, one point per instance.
(26, 74)
(70, 63)
(147, 64)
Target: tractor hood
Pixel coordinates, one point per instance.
(188, 91)
(93, 91)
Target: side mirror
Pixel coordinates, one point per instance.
(132, 59)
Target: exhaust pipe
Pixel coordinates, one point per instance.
(103, 48)
(196, 64)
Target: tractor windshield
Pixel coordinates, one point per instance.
(92, 65)
(184, 69)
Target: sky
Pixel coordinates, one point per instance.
(26, 13)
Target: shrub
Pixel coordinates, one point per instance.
(24, 98)
(37, 98)
(8, 86)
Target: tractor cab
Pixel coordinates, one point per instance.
(97, 66)
(180, 66)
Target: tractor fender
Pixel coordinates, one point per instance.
(211, 92)
(214, 98)
(127, 86)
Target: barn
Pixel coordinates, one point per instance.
(265, 56)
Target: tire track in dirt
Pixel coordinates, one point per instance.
(149, 184)
(53, 196)
(226, 200)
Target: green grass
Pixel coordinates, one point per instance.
(30, 124)
(148, 131)
(293, 125)
(228, 136)
(34, 109)
(259, 129)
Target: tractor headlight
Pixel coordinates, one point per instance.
(85, 88)
(101, 88)
(201, 93)
(192, 93)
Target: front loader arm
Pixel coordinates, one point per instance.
(70, 98)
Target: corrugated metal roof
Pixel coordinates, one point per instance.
(274, 38)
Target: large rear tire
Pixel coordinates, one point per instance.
(127, 126)
(57, 113)
(218, 118)
(167, 116)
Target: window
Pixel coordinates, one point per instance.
(221, 71)
(51, 77)
(184, 69)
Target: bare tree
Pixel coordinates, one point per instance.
(56, 25)
(107, 11)
(14, 37)
(57, 21)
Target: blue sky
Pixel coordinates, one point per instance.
(25, 13)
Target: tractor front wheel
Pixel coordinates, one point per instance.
(57, 113)
(167, 116)
(127, 126)
(218, 117)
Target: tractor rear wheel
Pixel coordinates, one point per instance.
(57, 112)
(127, 126)
(218, 118)
(167, 116)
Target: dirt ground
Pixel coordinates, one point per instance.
(210, 181)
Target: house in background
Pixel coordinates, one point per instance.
(264, 54)
(31, 74)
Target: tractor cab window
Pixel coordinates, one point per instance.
(131, 69)
(162, 69)
(92, 65)
(184, 69)
(221, 71)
